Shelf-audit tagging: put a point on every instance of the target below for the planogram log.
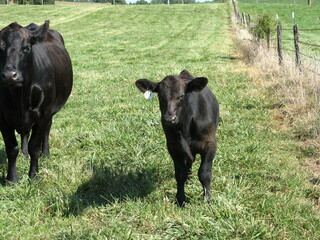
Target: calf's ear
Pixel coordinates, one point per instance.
(197, 84)
(146, 85)
(185, 74)
(40, 32)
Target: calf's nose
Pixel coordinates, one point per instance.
(170, 118)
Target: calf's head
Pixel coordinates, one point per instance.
(16, 51)
(172, 92)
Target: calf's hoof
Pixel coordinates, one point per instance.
(45, 154)
(33, 176)
(10, 181)
(181, 202)
(34, 179)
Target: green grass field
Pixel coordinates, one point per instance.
(306, 17)
(110, 176)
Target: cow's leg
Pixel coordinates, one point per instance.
(205, 171)
(24, 144)
(45, 143)
(12, 151)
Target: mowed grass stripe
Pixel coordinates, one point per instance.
(110, 176)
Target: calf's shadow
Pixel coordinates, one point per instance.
(110, 185)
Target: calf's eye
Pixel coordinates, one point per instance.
(180, 98)
(26, 49)
(2, 45)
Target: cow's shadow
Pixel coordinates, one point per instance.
(110, 185)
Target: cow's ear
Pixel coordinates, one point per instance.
(40, 32)
(146, 85)
(197, 84)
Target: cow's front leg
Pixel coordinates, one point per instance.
(12, 151)
(205, 171)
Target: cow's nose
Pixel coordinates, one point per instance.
(10, 76)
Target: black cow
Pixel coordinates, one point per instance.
(189, 117)
(35, 82)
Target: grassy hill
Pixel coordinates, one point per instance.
(110, 176)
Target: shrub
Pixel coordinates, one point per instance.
(262, 25)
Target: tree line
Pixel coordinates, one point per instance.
(117, 2)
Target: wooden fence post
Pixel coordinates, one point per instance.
(268, 38)
(235, 8)
(296, 45)
(244, 22)
(279, 45)
(249, 18)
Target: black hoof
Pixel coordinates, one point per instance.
(34, 179)
(181, 203)
(11, 182)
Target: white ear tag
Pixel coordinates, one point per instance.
(148, 94)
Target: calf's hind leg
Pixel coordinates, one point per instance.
(36, 144)
(45, 142)
(24, 144)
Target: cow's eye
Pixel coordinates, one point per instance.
(26, 49)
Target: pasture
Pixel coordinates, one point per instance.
(110, 176)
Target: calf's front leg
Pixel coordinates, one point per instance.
(181, 175)
(205, 171)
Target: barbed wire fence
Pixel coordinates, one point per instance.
(275, 40)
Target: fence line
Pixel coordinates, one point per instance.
(244, 19)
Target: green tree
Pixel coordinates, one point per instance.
(141, 2)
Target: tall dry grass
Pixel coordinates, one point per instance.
(295, 92)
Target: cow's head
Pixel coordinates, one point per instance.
(171, 93)
(16, 51)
